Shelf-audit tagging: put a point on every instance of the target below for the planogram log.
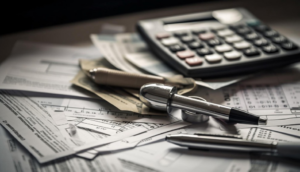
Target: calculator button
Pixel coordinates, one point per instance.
(253, 22)
(225, 32)
(187, 39)
(195, 45)
(243, 31)
(217, 28)
(270, 49)
(251, 36)
(198, 31)
(214, 42)
(185, 54)
(223, 48)
(233, 38)
(237, 26)
(232, 55)
(180, 33)
(213, 58)
(169, 41)
(279, 39)
(194, 61)
(241, 45)
(162, 35)
(206, 36)
(177, 47)
(261, 28)
(289, 46)
(270, 33)
(251, 52)
(261, 42)
(204, 51)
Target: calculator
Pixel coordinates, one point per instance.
(217, 43)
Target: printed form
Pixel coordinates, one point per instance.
(35, 129)
(274, 96)
(44, 68)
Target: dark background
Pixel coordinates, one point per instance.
(28, 14)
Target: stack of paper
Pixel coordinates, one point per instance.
(50, 125)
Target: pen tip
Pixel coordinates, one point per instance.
(262, 121)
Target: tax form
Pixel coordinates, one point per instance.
(44, 68)
(35, 129)
(274, 96)
(163, 156)
(14, 158)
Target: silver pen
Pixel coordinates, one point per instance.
(286, 149)
(163, 97)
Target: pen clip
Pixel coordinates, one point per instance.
(234, 136)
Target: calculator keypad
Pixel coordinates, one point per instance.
(213, 58)
(270, 49)
(181, 33)
(233, 55)
(177, 47)
(204, 51)
(169, 41)
(206, 36)
(251, 52)
(194, 61)
(195, 45)
(261, 42)
(270, 33)
(231, 43)
(252, 36)
(233, 39)
(289, 46)
(241, 45)
(225, 32)
(223, 48)
(243, 30)
(162, 35)
(279, 40)
(214, 42)
(187, 39)
(185, 54)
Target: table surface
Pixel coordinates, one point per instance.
(283, 16)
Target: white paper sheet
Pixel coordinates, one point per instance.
(29, 124)
(15, 159)
(163, 156)
(44, 68)
(35, 129)
(274, 96)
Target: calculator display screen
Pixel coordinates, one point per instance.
(216, 19)
(191, 25)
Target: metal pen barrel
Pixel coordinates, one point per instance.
(203, 107)
(163, 97)
(206, 142)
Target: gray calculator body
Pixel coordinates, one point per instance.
(217, 43)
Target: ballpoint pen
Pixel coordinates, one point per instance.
(163, 97)
(286, 149)
(112, 77)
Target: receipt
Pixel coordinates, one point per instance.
(117, 115)
(130, 142)
(35, 129)
(15, 159)
(31, 126)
